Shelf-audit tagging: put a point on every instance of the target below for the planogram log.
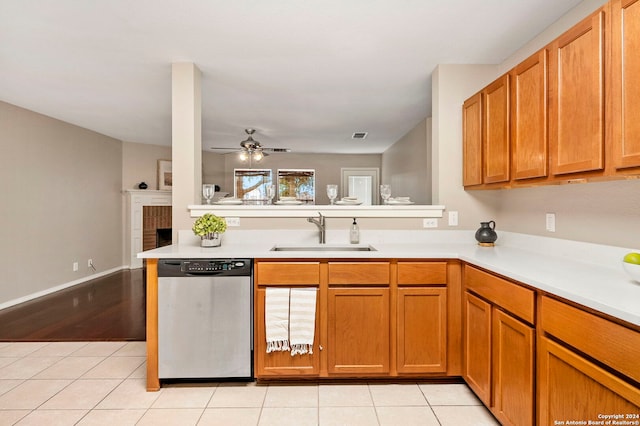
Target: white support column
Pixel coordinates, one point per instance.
(186, 120)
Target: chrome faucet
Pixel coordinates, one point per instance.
(321, 226)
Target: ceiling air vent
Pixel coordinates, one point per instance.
(359, 135)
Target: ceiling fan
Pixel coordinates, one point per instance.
(251, 149)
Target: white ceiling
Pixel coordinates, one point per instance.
(305, 74)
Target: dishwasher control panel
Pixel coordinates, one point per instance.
(185, 267)
(211, 265)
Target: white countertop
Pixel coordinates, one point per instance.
(588, 274)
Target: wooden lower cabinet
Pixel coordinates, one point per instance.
(477, 346)
(422, 330)
(281, 364)
(572, 388)
(499, 361)
(513, 376)
(376, 318)
(358, 331)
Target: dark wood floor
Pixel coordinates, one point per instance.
(107, 308)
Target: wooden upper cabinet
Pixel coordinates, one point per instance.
(495, 127)
(576, 97)
(625, 56)
(472, 141)
(529, 140)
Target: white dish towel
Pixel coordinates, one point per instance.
(302, 320)
(277, 319)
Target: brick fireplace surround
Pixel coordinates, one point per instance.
(154, 218)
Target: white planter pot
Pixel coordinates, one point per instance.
(211, 240)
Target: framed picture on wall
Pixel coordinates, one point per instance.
(164, 174)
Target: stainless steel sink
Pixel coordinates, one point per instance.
(322, 248)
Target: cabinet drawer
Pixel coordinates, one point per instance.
(512, 297)
(359, 273)
(422, 273)
(287, 273)
(608, 342)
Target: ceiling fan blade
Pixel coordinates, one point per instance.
(276, 149)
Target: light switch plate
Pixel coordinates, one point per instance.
(551, 222)
(453, 218)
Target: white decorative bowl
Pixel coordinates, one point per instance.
(633, 270)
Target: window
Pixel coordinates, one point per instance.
(251, 184)
(299, 183)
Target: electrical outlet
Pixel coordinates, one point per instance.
(75, 266)
(232, 221)
(453, 218)
(551, 222)
(90, 263)
(430, 223)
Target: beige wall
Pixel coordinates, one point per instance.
(213, 171)
(452, 84)
(61, 202)
(406, 164)
(604, 213)
(140, 164)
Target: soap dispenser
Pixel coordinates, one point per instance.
(354, 233)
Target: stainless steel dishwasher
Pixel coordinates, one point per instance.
(205, 319)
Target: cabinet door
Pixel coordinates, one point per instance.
(358, 331)
(422, 330)
(472, 141)
(529, 141)
(495, 126)
(573, 388)
(576, 98)
(513, 351)
(625, 54)
(281, 363)
(477, 346)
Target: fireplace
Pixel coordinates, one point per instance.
(163, 237)
(156, 226)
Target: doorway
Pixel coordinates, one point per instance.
(361, 182)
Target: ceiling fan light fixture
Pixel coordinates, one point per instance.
(244, 155)
(258, 155)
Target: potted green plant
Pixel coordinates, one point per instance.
(209, 228)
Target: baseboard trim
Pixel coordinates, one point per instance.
(32, 296)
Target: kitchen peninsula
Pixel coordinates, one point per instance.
(381, 211)
(525, 302)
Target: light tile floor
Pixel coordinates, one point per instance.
(103, 383)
